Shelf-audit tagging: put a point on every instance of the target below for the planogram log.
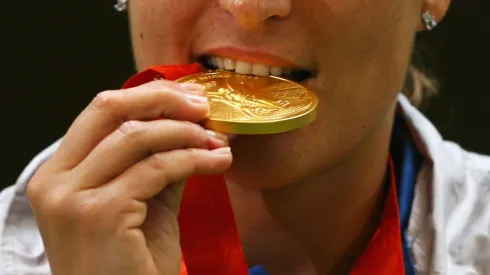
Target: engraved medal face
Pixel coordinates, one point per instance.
(246, 104)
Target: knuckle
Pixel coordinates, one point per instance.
(161, 88)
(163, 84)
(175, 165)
(36, 187)
(167, 87)
(88, 208)
(104, 100)
(55, 204)
(157, 161)
(194, 131)
(132, 128)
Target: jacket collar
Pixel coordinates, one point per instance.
(441, 167)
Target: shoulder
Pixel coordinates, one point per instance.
(478, 166)
(21, 246)
(464, 181)
(462, 202)
(449, 226)
(464, 167)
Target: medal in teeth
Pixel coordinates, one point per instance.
(249, 99)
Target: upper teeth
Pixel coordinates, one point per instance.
(243, 67)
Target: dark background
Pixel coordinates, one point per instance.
(57, 54)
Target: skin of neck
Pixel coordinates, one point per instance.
(321, 225)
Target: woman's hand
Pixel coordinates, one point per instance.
(107, 201)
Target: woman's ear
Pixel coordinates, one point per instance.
(433, 11)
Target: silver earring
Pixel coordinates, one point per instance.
(429, 20)
(120, 5)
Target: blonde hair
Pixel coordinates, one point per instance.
(419, 84)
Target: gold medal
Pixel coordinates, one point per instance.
(247, 104)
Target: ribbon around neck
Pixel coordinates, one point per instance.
(208, 232)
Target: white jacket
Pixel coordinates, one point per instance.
(449, 227)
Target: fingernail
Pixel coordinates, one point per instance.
(222, 151)
(219, 136)
(197, 98)
(193, 87)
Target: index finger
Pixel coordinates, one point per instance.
(110, 109)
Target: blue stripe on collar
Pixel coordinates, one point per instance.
(407, 166)
(257, 270)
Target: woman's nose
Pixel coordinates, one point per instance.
(251, 14)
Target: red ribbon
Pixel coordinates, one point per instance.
(384, 254)
(209, 235)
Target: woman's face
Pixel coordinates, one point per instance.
(358, 51)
